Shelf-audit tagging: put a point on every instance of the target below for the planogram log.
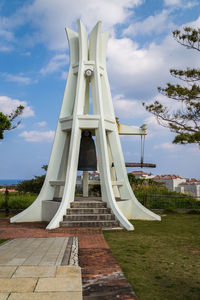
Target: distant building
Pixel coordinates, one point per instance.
(141, 174)
(94, 176)
(174, 182)
(170, 181)
(191, 187)
(9, 190)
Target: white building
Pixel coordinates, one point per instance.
(170, 181)
(94, 176)
(142, 175)
(191, 187)
(173, 182)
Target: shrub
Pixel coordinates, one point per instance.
(169, 211)
(32, 185)
(194, 212)
(17, 201)
(156, 196)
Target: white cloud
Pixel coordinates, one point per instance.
(172, 2)
(42, 124)
(20, 126)
(16, 78)
(5, 34)
(38, 136)
(152, 24)
(64, 75)
(127, 107)
(49, 18)
(181, 3)
(7, 105)
(153, 127)
(154, 130)
(165, 101)
(55, 64)
(132, 68)
(27, 53)
(4, 48)
(193, 148)
(140, 70)
(194, 24)
(168, 147)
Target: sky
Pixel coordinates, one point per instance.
(34, 61)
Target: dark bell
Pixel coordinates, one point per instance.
(87, 155)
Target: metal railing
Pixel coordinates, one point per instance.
(165, 201)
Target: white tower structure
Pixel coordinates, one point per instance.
(87, 69)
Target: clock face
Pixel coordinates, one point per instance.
(88, 73)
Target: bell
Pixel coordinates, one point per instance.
(87, 155)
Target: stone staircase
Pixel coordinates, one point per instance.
(89, 212)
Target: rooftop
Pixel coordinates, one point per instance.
(140, 173)
(168, 177)
(190, 183)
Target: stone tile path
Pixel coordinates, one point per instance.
(102, 278)
(31, 268)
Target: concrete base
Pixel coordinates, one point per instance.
(49, 209)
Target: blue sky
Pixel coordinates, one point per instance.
(34, 60)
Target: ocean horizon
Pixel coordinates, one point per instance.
(10, 181)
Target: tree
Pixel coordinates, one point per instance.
(7, 120)
(33, 185)
(185, 122)
(142, 181)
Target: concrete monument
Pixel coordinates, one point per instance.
(87, 71)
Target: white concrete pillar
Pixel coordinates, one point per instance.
(85, 184)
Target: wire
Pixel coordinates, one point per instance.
(142, 149)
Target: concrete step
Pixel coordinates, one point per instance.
(79, 199)
(89, 224)
(87, 217)
(57, 199)
(89, 212)
(88, 204)
(80, 211)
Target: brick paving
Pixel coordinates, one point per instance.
(101, 275)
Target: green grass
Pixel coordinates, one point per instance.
(161, 260)
(17, 200)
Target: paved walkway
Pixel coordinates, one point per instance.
(102, 278)
(32, 269)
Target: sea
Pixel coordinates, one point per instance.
(10, 181)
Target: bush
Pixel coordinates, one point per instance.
(32, 185)
(155, 196)
(169, 211)
(17, 200)
(194, 212)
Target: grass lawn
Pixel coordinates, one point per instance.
(161, 260)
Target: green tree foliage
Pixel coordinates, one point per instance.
(7, 120)
(33, 185)
(185, 122)
(134, 182)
